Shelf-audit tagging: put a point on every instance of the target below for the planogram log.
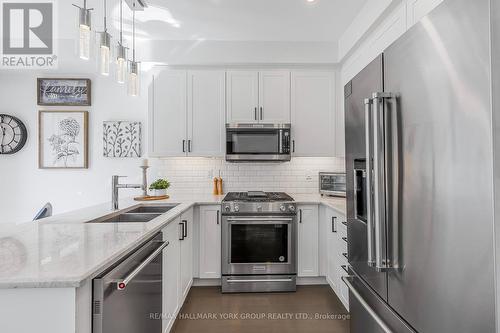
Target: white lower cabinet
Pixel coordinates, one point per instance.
(171, 264)
(177, 266)
(210, 242)
(336, 247)
(308, 249)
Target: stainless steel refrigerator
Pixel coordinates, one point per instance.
(419, 161)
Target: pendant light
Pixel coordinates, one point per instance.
(104, 51)
(133, 88)
(84, 31)
(121, 53)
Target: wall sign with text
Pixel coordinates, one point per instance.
(64, 92)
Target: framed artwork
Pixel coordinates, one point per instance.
(63, 140)
(122, 139)
(63, 92)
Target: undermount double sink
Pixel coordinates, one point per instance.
(142, 214)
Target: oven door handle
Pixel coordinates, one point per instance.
(261, 280)
(122, 283)
(250, 219)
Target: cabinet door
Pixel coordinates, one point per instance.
(171, 268)
(242, 96)
(186, 254)
(210, 242)
(313, 113)
(206, 110)
(167, 117)
(308, 258)
(274, 97)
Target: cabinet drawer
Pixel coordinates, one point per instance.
(341, 260)
(342, 244)
(342, 288)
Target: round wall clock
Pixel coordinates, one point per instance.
(13, 134)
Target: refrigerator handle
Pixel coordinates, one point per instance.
(381, 178)
(369, 184)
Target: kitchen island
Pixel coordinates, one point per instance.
(47, 267)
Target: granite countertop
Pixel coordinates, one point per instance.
(63, 251)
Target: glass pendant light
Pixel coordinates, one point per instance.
(121, 53)
(104, 51)
(84, 31)
(134, 87)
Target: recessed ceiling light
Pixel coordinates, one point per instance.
(311, 1)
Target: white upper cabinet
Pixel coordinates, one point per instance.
(167, 115)
(258, 97)
(187, 114)
(313, 113)
(242, 96)
(206, 110)
(274, 97)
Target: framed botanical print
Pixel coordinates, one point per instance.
(63, 140)
(122, 139)
(63, 92)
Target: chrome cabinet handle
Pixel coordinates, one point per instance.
(344, 267)
(122, 283)
(344, 223)
(300, 215)
(344, 239)
(345, 255)
(183, 146)
(334, 219)
(261, 113)
(293, 146)
(365, 305)
(369, 191)
(255, 113)
(218, 217)
(189, 146)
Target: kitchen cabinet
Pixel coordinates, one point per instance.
(186, 116)
(337, 262)
(177, 266)
(167, 114)
(258, 97)
(308, 249)
(313, 113)
(171, 264)
(210, 242)
(206, 110)
(186, 254)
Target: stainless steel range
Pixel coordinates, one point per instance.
(259, 242)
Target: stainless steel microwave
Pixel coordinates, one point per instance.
(332, 183)
(258, 142)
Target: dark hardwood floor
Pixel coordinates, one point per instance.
(311, 309)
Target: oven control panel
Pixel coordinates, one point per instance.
(231, 208)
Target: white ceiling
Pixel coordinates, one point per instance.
(244, 20)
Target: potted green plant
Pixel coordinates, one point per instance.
(160, 187)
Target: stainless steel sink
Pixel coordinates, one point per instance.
(152, 209)
(128, 217)
(140, 214)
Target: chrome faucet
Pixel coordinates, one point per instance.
(115, 186)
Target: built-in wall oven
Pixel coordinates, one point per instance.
(258, 142)
(128, 297)
(258, 246)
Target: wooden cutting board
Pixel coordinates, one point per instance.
(152, 198)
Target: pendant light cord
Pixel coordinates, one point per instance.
(105, 23)
(133, 33)
(121, 22)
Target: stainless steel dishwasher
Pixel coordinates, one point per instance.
(128, 297)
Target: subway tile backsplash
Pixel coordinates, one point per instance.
(195, 175)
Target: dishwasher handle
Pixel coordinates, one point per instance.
(121, 284)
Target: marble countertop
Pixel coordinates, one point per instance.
(63, 251)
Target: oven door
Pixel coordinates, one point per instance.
(258, 143)
(258, 245)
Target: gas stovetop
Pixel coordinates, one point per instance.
(258, 203)
(256, 196)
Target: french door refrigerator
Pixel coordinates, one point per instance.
(419, 161)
